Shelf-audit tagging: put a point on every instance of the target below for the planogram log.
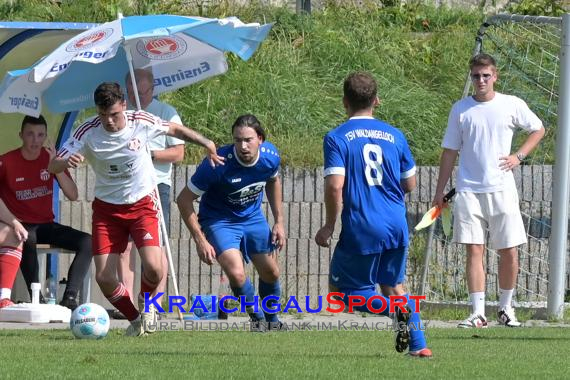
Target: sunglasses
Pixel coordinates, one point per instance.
(478, 77)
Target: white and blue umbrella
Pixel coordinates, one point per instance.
(179, 50)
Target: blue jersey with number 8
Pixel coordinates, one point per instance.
(373, 157)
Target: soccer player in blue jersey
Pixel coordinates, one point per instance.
(368, 169)
(230, 226)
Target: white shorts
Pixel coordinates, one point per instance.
(473, 213)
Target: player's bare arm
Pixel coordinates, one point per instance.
(59, 164)
(515, 159)
(185, 202)
(187, 134)
(169, 155)
(448, 157)
(408, 184)
(8, 218)
(333, 206)
(275, 199)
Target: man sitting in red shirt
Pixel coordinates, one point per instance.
(26, 187)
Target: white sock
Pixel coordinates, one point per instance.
(5, 293)
(478, 302)
(505, 297)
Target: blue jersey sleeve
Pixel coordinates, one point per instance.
(334, 159)
(204, 177)
(407, 163)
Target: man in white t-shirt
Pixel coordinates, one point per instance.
(164, 151)
(125, 204)
(480, 129)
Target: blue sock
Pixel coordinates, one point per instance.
(248, 292)
(417, 337)
(266, 289)
(376, 303)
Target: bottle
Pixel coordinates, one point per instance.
(61, 289)
(36, 286)
(51, 291)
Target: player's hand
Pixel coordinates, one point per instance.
(323, 236)
(438, 200)
(278, 236)
(20, 230)
(509, 162)
(75, 160)
(206, 252)
(213, 155)
(50, 147)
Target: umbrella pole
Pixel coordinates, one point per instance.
(161, 220)
(168, 251)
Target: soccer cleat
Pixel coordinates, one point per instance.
(69, 302)
(257, 325)
(136, 328)
(506, 317)
(6, 302)
(423, 353)
(401, 327)
(474, 321)
(149, 320)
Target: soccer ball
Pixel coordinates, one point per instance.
(89, 321)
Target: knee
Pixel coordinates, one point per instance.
(270, 275)
(236, 277)
(105, 280)
(85, 245)
(153, 275)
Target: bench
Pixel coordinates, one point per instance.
(43, 251)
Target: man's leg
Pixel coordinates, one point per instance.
(508, 270)
(476, 286)
(112, 289)
(29, 264)
(72, 240)
(10, 256)
(126, 269)
(268, 269)
(231, 261)
(151, 275)
(418, 344)
(391, 276)
(469, 228)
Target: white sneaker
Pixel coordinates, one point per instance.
(506, 317)
(474, 321)
(149, 320)
(135, 328)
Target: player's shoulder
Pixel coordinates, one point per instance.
(87, 127)
(508, 99)
(269, 154)
(161, 109)
(10, 155)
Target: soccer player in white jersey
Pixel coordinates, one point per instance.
(231, 227)
(368, 169)
(113, 142)
(480, 130)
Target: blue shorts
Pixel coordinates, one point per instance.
(352, 271)
(251, 236)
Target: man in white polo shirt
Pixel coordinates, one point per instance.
(480, 130)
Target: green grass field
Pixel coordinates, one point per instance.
(493, 353)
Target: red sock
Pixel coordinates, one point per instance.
(122, 301)
(146, 287)
(10, 258)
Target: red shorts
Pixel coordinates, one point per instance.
(113, 224)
